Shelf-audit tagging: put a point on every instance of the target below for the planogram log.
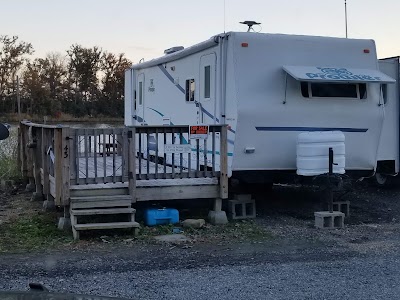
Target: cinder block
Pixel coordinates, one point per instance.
(329, 220)
(342, 206)
(242, 209)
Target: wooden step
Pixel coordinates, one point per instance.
(106, 225)
(101, 201)
(104, 211)
(101, 198)
(99, 189)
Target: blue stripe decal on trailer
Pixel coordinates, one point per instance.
(169, 76)
(311, 129)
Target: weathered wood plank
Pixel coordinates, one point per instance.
(176, 192)
(223, 162)
(105, 211)
(66, 177)
(58, 165)
(52, 186)
(106, 225)
(46, 142)
(88, 204)
(132, 163)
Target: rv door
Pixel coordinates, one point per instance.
(139, 102)
(207, 88)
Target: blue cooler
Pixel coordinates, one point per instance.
(162, 216)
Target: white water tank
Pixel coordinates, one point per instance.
(313, 152)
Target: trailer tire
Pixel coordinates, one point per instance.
(382, 180)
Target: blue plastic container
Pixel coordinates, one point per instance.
(162, 216)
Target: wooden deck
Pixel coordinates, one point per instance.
(91, 172)
(64, 162)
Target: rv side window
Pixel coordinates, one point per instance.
(334, 90)
(207, 81)
(140, 93)
(190, 87)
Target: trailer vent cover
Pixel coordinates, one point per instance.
(313, 152)
(173, 49)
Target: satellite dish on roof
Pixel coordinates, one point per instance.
(250, 24)
(4, 132)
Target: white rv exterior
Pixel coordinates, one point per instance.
(268, 88)
(389, 145)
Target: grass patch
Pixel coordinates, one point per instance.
(247, 230)
(32, 233)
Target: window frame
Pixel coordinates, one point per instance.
(140, 92)
(311, 96)
(188, 90)
(207, 82)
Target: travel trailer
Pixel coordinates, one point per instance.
(269, 89)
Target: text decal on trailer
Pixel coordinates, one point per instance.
(340, 74)
(198, 132)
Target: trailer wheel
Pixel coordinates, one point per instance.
(382, 180)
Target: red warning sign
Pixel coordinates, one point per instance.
(198, 131)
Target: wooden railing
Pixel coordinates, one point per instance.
(56, 157)
(44, 159)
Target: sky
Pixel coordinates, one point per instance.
(143, 29)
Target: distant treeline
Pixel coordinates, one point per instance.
(80, 82)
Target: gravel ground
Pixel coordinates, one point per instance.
(351, 278)
(360, 261)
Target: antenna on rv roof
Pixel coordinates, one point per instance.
(250, 24)
(224, 16)
(345, 16)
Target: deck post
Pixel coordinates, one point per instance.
(58, 153)
(223, 180)
(46, 142)
(218, 216)
(37, 163)
(132, 163)
(66, 177)
(30, 144)
(22, 145)
(62, 165)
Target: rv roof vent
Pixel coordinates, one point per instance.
(173, 49)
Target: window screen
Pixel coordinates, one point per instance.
(140, 93)
(190, 88)
(334, 90)
(207, 81)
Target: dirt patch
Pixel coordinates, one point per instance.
(285, 223)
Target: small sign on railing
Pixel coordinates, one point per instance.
(198, 132)
(177, 148)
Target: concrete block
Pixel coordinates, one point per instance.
(329, 220)
(37, 196)
(342, 206)
(217, 217)
(49, 205)
(242, 209)
(30, 187)
(64, 223)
